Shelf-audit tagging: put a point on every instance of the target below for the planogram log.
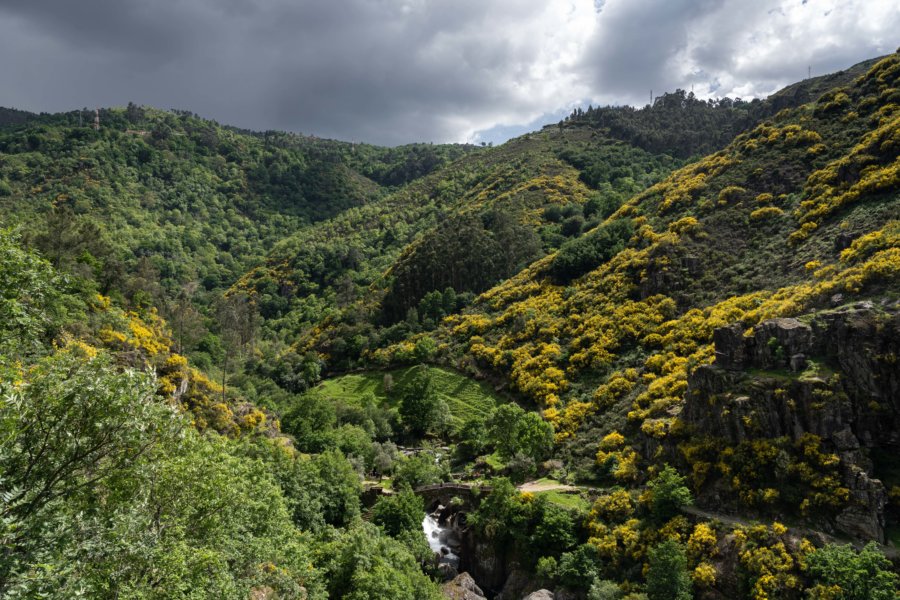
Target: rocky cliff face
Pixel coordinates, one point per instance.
(833, 374)
(488, 564)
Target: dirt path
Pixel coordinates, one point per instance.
(888, 551)
(546, 486)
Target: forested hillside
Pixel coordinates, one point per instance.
(653, 352)
(682, 125)
(763, 260)
(369, 272)
(188, 200)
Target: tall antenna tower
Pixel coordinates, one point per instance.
(96, 119)
(809, 71)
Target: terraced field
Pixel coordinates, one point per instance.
(464, 396)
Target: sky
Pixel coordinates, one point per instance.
(398, 71)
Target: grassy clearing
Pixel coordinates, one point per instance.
(572, 501)
(548, 481)
(464, 396)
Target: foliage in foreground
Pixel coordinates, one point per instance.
(109, 493)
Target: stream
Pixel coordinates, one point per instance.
(442, 539)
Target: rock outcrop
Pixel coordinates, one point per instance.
(463, 587)
(540, 595)
(834, 374)
(771, 345)
(488, 564)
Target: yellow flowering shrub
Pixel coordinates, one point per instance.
(876, 159)
(772, 568)
(766, 212)
(616, 506)
(704, 575)
(612, 441)
(702, 542)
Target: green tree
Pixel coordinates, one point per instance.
(579, 568)
(364, 563)
(187, 321)
(75, 424)
(863, 575)
(238, 321)
(584, 254)
(668, 494)
(534, 436)
(502, 428)
(399, 513)
(545, 569)
(323, 489)
(472, 439)
(310, 420)
(109, 493)
(200, 521)
(418, 470)
(502, 516)
(340, 487)
(554, 531)
(604, 589)
(356, 444)
(421, 409)
(572, 226)
(667, 574)
(32, 304)
(425, 349)
(514, 431)
(386, 454)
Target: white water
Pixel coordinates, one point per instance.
(441, 539)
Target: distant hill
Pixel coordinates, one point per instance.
(682, 125)
(180, 197)
(12, 116)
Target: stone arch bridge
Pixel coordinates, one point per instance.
(469, 494)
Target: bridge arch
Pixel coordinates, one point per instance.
(442, 494)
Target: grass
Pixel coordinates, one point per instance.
(464, 396)
(572, 501)
(546, 481)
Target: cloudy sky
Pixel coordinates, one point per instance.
(396, 71)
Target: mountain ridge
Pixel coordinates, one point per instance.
(661, 330)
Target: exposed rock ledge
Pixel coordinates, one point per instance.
(835, 374)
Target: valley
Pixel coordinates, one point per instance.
(639, 353)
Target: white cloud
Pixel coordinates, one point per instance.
(731, 47)
(393, 71)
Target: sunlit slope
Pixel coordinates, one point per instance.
(788, 215)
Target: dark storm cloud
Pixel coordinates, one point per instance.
(133, 28)
(393, 71)
(378, 70)
(635, 43)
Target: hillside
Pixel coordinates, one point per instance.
(559, 182)
(180, 196)
(795, 218)
(523, 193)
(682, 125)
(649, 349)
